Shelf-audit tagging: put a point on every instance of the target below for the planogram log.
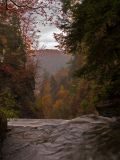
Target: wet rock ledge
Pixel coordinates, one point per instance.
(87, 137)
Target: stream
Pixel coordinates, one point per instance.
(88, 137)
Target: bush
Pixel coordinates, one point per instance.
(8, 104)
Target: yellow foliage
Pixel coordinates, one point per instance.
(62, 93)
(47, 100)
(47, 105)
(47, 89)
(58, 104)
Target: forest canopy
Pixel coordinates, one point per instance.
(92, 30)
(19, 34)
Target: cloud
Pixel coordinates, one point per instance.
(47, 36)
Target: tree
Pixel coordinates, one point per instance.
(61, 106)
(18, 27)
(14, 75)
(29, 12)
(47, 101)
(92, 29)
(54, 87)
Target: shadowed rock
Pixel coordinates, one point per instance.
(3, 130)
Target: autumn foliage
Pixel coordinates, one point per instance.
(16, 78)
(62, 96)
(19, 33)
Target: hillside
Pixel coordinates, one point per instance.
(51, 61)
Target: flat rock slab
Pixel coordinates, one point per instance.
(84, 138)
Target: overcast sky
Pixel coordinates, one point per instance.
(47, 31)
(47, 36)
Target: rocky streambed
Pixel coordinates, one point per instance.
(83, 138)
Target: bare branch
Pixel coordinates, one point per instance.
(27, 6)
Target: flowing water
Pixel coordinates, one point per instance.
(84, 138)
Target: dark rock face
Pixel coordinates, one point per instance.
(3, 127)
(109, 108)
(3, 130)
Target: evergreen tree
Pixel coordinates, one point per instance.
(93, 30)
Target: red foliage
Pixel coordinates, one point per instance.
(28, 12)
(8, 69)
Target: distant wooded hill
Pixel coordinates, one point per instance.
(51, 60)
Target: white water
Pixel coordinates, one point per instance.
(83, 138)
